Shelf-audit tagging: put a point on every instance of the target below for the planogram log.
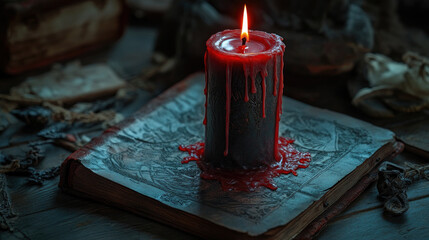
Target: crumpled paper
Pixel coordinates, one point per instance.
(412, 76)
(386, 77)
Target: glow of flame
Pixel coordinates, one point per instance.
(244, 28)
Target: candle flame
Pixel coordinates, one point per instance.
(244, 28)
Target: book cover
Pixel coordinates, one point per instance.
(140, 157)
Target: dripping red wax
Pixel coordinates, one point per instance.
(242, 148)
(258, 53)
(249, 180)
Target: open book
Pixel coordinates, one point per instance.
(137, 166)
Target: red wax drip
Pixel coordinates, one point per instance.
(246, 90)
(205, 89)
(278, 110)
(195, 151)
(249, 180)
(227, 107)
(226, 46)
(253, 68)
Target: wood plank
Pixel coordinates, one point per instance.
(374, 224)
(89, 220)
(28, 199)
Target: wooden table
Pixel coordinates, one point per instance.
(47, 213)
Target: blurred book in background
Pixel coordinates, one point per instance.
(37, 33)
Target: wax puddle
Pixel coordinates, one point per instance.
(289, 161)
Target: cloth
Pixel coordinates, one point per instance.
(411, 76)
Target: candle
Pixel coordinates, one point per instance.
(243, 90)
(244, 87)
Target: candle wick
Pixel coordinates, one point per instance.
(243, 41)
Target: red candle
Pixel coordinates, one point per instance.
(244, 88)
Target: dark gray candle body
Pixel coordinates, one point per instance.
(242, 108)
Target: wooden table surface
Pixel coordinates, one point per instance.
(47, 213)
